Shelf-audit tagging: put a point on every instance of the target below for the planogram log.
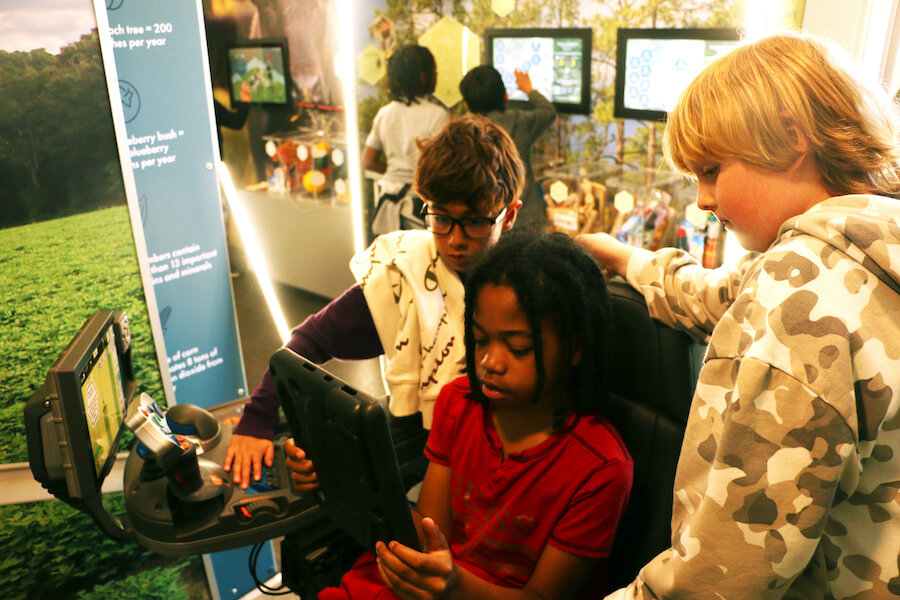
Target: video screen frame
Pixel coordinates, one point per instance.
(621, 108)
(279, 61)
(583, 35)
(346, 434)
(63, 448)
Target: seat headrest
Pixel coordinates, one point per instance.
(652, 383)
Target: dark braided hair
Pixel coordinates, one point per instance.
(552, 277)
(411, 73)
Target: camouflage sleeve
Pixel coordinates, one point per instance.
(681, 293)
(762, 461)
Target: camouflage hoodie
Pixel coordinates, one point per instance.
(787, 483)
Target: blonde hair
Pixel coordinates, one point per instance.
(745, 105)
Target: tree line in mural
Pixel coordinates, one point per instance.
(58, 151)
(600, 137)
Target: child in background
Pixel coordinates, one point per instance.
(391, 147)
(483, 91)
(527, 479)
(408, 303)
(787, 483)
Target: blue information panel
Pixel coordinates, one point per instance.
(169, 138)
(154, 54)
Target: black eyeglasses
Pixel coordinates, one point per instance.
(472, 227)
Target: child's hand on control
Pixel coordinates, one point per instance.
(523, 80)
(302, 470)
(415, 575)
(246, 454)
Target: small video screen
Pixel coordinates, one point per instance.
(657, 70)
(104, 400)
(259, 74)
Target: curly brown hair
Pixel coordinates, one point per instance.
(471, 160)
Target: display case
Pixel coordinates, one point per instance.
(308, 162)
(303, 211)
(644, 212)
(576, 197)
(647, 208)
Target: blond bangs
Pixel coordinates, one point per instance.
(732, 109)
(747, 104)
(696, 133)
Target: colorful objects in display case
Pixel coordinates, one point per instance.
(308, 164)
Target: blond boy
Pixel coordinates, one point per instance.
(787, 483)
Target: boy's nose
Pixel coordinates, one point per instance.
(706, 198)
(458, 237)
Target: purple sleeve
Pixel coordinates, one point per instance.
(344, 329)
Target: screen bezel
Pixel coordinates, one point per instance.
(620, 111)
(336, 423)
(585, 34)
(280, 44)
(62, 395)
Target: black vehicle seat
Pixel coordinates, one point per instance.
(654, 373)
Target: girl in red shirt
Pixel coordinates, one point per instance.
(527, 480)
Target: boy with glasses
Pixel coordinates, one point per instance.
(408, 300)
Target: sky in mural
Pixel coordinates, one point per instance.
(48, 24)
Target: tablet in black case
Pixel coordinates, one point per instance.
(345, 433)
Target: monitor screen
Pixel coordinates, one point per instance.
(74, 421)
(653, 66)
(557, 60)
(259, 73)
(103, 398)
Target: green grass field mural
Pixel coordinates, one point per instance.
(55, 274)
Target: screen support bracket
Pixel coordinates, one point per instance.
(57, 487)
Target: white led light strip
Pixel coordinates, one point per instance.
(253, 250)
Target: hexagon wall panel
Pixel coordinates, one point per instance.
(456, 50)
(372, 64)
(503, 7)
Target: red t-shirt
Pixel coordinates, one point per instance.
(568, 491)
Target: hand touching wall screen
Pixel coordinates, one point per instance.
(558, 61)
